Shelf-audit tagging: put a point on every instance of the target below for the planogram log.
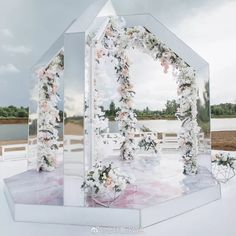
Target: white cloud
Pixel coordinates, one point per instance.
(73, 104)
(211, 32)
(8, 68)
(152, 86)
(16, 49)
(7, 32)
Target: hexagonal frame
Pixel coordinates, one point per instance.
(73, 41)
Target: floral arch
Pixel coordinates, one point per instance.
(112, 44)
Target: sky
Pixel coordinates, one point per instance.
(29, 27)
(152, 88)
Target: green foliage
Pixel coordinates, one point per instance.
(112, 110)
(224, 160)
(148, 142)
(223, 109)
(171, 107)
(146, 113)
(203, 115)
(14, 112)
(61, 115)
(22, 113)
(145, 129)
(18, 112)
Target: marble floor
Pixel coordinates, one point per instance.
(157, 179)
(31, 187)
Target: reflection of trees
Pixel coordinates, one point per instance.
(223, 110)
(203, 108)
(171, 107)
(146, 113)
(33, 127)
(12, 112)
(111, 112)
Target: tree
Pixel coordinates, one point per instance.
(112, 109)
(22, 113)
(223, 109)
(12, 112)
(146, 111)
(3, 113)
(171, 107)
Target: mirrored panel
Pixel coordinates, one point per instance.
(33, 117)
(203, 117)
(74, 89)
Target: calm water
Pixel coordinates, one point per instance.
(20, 131)
(173, 125)
(16, 131)
(13, 131)
(223, 124)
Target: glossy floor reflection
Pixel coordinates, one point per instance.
(31, 187)
(157, 179)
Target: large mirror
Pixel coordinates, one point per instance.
(146, 112)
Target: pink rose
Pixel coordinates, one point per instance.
(40, 73)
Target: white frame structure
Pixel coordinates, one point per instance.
(73, 210)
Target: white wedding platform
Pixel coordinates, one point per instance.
(160, 190)
(50, 198)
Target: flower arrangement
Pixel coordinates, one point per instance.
(224, 166)
(126, 116)
(145, 129)
(225, 159)
(105, 178)
(148, 142)
(112, 46)
(100, 121)
(48, 114)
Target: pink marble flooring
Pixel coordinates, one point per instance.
(158, 179)
(32, 187)
(157, 183)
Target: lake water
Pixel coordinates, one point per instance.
(223, 124)
(16, 131)
(173, 125)
(20, 131)
(13, 131)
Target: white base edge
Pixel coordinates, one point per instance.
(180, 205)
(111, 217)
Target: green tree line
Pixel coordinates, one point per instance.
(223, 109)
(146, 113)
(14, 112)
(220, 110)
